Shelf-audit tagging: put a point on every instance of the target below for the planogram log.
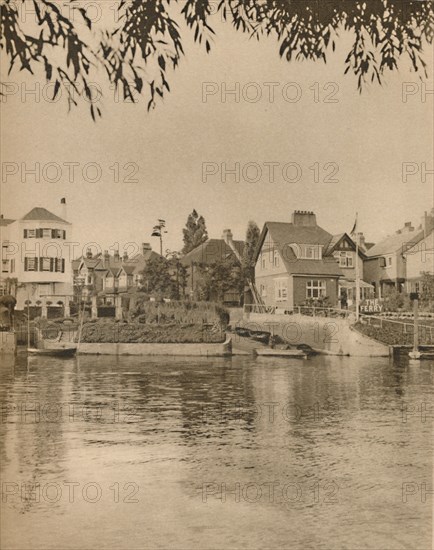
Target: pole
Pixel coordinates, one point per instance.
(357, 278)
(28, 321)
(416, 326)
(161, 244)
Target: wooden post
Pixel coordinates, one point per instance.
(416, 326)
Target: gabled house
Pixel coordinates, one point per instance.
(293, 264)
(106, 275)
(386, 264)
(35, 253)
(211, 252)
(343, 248)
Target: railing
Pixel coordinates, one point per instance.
(407, 328)
(309, 311)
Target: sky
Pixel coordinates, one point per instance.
(335, 158)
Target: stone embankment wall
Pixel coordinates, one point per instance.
(198, 350)
(334, 336)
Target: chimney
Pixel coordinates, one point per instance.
(227, 236)
(63, 210)
(125, 257)
(428, 222)
(117, 258)
(362, 242)
(89, 254)
(303, 218)
(146, 247)
(408, 228)
(106, 259)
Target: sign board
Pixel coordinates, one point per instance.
(370, 307)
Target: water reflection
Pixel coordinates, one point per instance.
(234, 453)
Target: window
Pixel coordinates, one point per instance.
(315, 289)
(310, 252)
(30, 233)
(345, 259)
(281, 290)
(276, 259)
(45, 264)
(5, 266)
(46, 233)
(59, 265)
(389, 260)
(263, 260)
(58, 234)
(30, 264)
(263, 291)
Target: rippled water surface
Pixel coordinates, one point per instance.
(137, 453)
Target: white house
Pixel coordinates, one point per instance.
(35, 253)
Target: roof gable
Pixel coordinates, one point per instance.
(211, 251)
(42, 214)
(398, 242)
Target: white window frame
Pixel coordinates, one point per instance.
(31, 260)
(276, 258)
(281, 290)
(310, 252)
(46, 264)
(346, 259)
(316, 286)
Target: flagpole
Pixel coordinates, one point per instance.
(357, 274)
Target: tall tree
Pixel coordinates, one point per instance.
(194, 233)
(252, 237)
(220, 277)
(157, 277)
(145, 42)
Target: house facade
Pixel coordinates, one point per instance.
(385, 266)
(294, 264)
(35, 252)
(107, 275)
(203, 256)
(420, 260)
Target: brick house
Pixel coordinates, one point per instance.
(294, 263)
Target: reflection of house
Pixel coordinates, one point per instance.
(293, 264)
(210, 252)
(420, 260)
(385, 266)
(34, 252)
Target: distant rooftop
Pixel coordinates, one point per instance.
(42, 214)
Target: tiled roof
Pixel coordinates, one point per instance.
(4, 222)
(139, 261)
(211, 251)
(42, 214)
(395, 243)
(285, 234)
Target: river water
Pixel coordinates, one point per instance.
(140, 453)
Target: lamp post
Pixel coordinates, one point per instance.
(158, 231)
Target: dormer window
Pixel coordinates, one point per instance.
(310, 252)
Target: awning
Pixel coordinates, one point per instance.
(352, 284)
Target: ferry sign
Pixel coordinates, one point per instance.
(371, 306)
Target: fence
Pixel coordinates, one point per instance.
(426, 332)
(309, 311)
